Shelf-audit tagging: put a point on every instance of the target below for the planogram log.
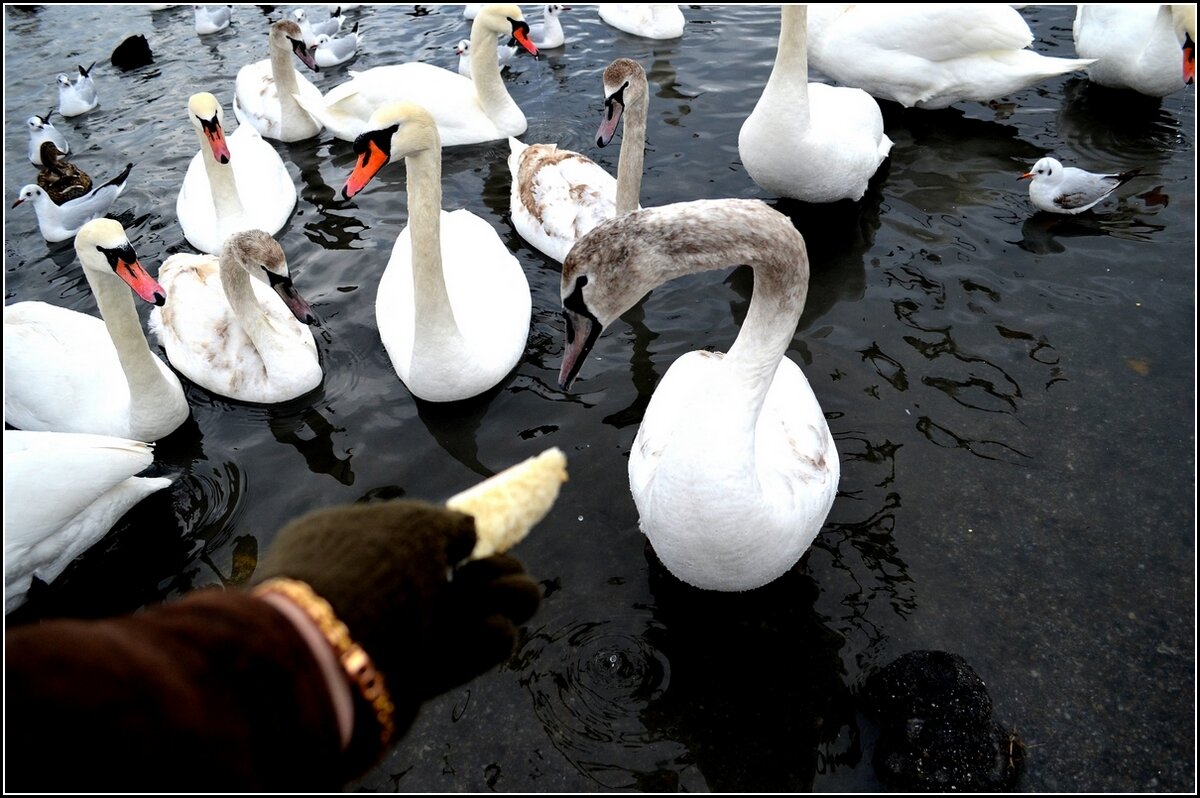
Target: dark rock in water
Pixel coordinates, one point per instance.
(132, 52)
(936, 727)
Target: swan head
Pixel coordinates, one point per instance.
(505, 19)
(624, 83)
(287, 36)
(103, 248)
(1184, 19)
(206, 116)
(395, 130)
(263, 259)
(1045, 168)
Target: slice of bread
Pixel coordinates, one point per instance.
(507, 505)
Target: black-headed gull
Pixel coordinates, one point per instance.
(330, 52)
(212, 19)
(548, 33)
(1064, 189)
(78, 97)
(41, 130)
(61, 180)
(504, 54)
(60, 222)
(312, 30)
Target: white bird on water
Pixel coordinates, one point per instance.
(329, 52)
(212, 19)
(1064, 189)
(41, 130)
(78, 97)
(60, 222)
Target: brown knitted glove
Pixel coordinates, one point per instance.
(394, 574)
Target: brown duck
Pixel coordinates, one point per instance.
(60, 180)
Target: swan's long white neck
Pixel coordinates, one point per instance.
(485, 74)
(236, 282)
(143, 372)
(286, 86)
(435, 327)
(221, 183)
(633, 155)
(788, 85)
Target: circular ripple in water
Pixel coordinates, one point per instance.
(590, 684)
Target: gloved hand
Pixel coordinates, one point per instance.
(393, 573)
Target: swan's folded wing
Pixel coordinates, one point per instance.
(937, 32)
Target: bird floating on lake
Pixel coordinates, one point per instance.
(1064, 189)
(40, 130)
(78, 97)
(212, 19)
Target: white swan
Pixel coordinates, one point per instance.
(558, 195)
(266, 92)
(237, 326)
(733, 470)
(60, 222)
(929, 55)
(40, 130)
(649, 20)
(231, 184)
(453, 307)
(1138, 46)
(467, 110)
(66, 371)
(810, 141)
(63, 491)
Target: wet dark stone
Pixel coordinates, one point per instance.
(132, 52)
(936, 727)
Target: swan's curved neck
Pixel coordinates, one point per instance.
(145, 378)
(788, 84)
(221, 183)
(434, 314)
(236, 282)
(286, 85)
(633, 154)
(485, 74)
(717, 237)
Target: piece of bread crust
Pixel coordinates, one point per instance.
(509, 504)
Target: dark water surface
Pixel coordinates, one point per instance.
(1012, 396)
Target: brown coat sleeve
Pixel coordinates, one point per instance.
(215, 692)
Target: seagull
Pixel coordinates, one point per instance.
(331, 52)
(312, 30)
(548, 33)
(212, 19)
(504, 54)
(1065, 189)
(61, 180)
(78, 97)
(60, 222)
(41, 130)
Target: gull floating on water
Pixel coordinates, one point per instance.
(78, 97)
(504, 54)
(60, 222)
(1065, 189)
(212, 19)
(41, 130)
(311, 30)
(331, 52)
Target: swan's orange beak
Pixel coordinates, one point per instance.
(521, 35)
(216, 140)
(370, 160)
(136, 276)
(1189, 59)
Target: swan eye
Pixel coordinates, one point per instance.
(118, 255)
